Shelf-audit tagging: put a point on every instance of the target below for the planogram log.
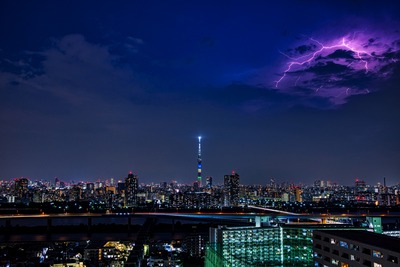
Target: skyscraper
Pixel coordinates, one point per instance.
(199, 164)
(297, 193)
(21, 187)
(131, 189)
(231, 189)
(208, 182)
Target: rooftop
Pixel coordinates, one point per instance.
(366, 237)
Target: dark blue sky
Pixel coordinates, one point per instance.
(292, 90)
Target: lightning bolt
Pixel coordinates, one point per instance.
(298, 78)
(306, 59)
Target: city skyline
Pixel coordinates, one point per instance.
(217, 181)
(295, 91)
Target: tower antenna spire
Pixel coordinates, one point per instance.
(199, 163)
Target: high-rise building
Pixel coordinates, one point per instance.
(297, 192)
(199, 164)
(243, 246)
(360, 186)
(355, 248)
(56, 182)
(21, 187)
(121, 187)
(283, 245)
(131, 189)
(231, 189)
(208, 182)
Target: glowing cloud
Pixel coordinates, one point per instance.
(338, 68)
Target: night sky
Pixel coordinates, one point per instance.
(293, 90)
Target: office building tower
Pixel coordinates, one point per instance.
(120, 187)
(56, 182)
(209, 182)
(360, 186)
(297, 193)
(355, 248)
(263, 245)
(131, 190)
(21, 187)
(244, 246)
(231, 190)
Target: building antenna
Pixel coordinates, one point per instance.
(199, 163)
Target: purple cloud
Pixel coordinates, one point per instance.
(337, 68)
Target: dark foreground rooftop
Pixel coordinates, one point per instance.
(369, 238)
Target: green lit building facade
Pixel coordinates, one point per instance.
(244, 246)
(284, 245)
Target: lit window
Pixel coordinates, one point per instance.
(377, 264)
(377, 254)
(344, 244)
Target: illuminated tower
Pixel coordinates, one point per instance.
(199, 164)
(131, 190)
(231, 189)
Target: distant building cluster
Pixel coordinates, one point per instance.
(128, 193)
